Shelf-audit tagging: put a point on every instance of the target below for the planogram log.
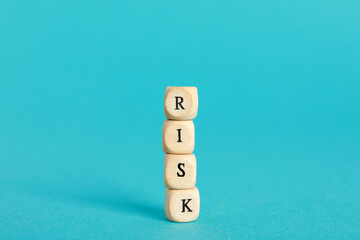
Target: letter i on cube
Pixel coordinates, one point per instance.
(182, 199)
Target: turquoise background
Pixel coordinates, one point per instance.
(81, 111)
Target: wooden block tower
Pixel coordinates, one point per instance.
(182, 199)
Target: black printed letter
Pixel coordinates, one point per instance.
(179, 103)
(184, 205)
(182, 170)
(179, 135)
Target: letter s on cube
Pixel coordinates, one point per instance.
(180, 171)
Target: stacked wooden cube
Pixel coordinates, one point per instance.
(182, 199)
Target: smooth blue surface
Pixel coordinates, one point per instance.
(81, 110)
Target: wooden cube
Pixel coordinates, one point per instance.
(178, 136)
(181, 103)
(182, 205)
(180, 171)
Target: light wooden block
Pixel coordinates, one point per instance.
(180, 171)
(178, 136)
(182, 205)
(181, 103)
